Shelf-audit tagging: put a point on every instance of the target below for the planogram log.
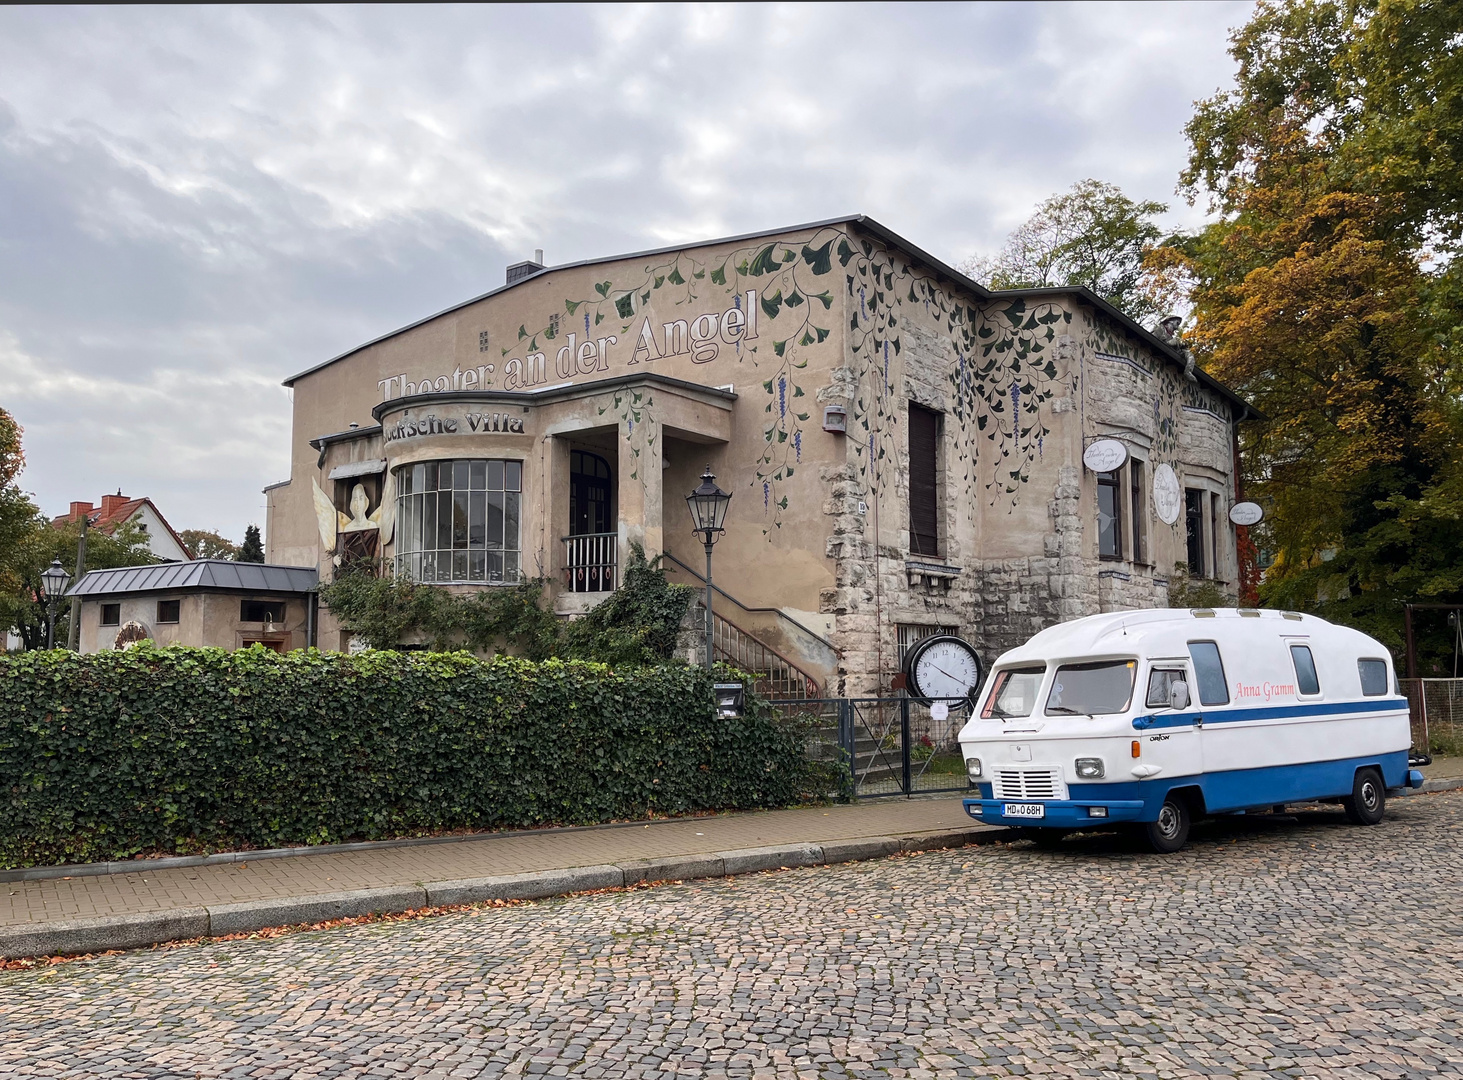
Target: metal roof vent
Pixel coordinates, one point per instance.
(1202, 613)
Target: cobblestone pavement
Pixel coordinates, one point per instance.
(1269, 947)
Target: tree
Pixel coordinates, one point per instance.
(1093, 236)
(210, 545)
(252, 550)
(1327, 294)
(19, 519)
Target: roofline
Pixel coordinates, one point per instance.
(574, 266)
(529, 397)
(862, 221)
(103, 573)
(276, 484)
(320, 442)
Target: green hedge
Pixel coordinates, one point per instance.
(180, 750)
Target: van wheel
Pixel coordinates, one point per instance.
(1171, 831)
(1368, 800)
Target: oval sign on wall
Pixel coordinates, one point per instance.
(1167, 498)
(1246, 513)
(1105, 455)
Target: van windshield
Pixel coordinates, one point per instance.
(1087, 689)
(1013, 693)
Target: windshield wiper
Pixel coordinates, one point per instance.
(1066, 711)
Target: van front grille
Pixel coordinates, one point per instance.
(1027, 784)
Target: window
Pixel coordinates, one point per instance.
(924, 460)
(1086, 689)
(1213, 535)
(1306, 680)
(112, 616)
(1160, 686)
(1109, 516)
(911, 634)
(1194, 524)
(261, 611)
(167, 610)
(1209, 673)
(1013, 693)
(1373, 677)
(1136, 506)
(459, 520)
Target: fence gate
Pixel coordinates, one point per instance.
(892, 746)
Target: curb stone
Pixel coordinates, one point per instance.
(134, 931)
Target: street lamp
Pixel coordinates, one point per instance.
(53, 585)
(708, 505)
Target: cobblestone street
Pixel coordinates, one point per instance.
(1268, 947)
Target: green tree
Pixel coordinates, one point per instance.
(19, 521)
(1327, 293)
(209, 545)
(252, 550)
(1093, 236)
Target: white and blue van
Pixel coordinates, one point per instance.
(1156, 717)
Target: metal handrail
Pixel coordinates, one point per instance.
(777, 675)
(754, 610)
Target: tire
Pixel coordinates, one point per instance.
(1046, 839)
(1171, 831)
(1368, 799)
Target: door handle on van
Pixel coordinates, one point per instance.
(1199, 721)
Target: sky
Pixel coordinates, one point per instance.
(196, 203)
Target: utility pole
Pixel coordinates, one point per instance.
(73, 636)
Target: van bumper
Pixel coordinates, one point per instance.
(1058, 813)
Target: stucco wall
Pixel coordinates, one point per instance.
(210, 619)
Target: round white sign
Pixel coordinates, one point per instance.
(1105, 455)
(1168, 500)
(1246, 513)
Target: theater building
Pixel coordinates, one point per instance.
(905, 449)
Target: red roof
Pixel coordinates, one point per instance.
(114, 512)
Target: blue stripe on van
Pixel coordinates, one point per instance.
(1227, 715)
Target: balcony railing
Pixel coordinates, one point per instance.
(589, 562)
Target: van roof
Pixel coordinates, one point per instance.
(1126, 633)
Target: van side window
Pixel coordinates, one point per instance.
(1209, 673)
(1306, 680)
(1160, 686)
(1373, 677)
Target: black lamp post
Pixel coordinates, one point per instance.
(53, 585)
(708, 505)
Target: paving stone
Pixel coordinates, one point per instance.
(1292, 947)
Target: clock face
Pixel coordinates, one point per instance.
(944, 666)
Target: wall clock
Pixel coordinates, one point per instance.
(943, 666)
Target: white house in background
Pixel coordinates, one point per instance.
(116, 510)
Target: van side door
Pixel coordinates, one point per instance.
(1169, 742)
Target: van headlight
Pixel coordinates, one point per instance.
(1090, 768)
(972, 767)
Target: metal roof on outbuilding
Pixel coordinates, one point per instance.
(218, 574)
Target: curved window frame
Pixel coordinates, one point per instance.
(459, 521)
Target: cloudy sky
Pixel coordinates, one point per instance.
(197, 203)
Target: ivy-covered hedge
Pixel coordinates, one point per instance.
(107, 755)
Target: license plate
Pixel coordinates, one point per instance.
(1025, 809)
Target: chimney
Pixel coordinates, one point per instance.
(111, 502)
(527, 268)
(77, 510)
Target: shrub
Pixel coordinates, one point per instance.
(108, 755)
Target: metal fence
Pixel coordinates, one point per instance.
(1437, 715)
(891, 746)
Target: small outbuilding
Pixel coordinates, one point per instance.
(228, 605)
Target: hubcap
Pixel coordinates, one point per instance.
(1168, 821)
(1369, 797)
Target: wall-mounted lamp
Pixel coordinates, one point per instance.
(835, 420)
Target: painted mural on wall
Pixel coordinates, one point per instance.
(772, 307)
(1001, 373)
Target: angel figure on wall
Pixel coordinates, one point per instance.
(357, 537)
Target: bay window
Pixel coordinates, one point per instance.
(459, 521)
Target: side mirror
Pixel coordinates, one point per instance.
(1178, 695)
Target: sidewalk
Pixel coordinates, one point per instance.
(146, 905)
(134, 904)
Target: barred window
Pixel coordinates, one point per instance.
(459, 521)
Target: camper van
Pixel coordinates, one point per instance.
(1157, 717)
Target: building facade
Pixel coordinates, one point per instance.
(904, 448)
(118, 510)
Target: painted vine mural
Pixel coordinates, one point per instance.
(790, 295)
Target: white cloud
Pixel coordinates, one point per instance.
(202, 201)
